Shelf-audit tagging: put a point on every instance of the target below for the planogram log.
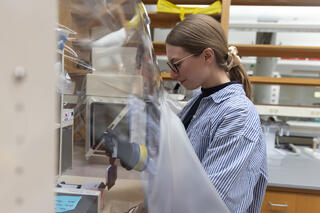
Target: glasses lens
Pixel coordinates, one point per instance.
(172, 67)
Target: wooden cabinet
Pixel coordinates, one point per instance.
(308, 203)
(285, 200)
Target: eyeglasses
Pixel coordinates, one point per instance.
(174, 66)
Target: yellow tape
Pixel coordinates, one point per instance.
(142, 8)
(135, 21)
(143, 158)
(165, 6)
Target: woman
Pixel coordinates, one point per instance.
(221, 121)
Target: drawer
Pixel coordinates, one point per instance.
(307, 203)
(280, 202)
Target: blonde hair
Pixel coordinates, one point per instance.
(198, 32)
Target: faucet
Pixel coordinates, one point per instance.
(271, 127)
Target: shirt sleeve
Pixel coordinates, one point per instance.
(227, 162)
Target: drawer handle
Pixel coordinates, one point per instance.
(278, 205)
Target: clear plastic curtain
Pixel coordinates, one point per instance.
(123, 92)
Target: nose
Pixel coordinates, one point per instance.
(174, 75)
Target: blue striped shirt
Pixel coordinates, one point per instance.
(227, 137)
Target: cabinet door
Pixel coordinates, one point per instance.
(280, 202)
(308, 203)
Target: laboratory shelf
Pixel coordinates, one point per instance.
(167, 20)
(64, 124)
(274, 27)
(290, 111)
(247, 2)
(285, 81)
(270, 80)
(277, 2)
(191, 2)
(260, 50)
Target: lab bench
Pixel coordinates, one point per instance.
(294, 183)
(121, 197)
(293, 186)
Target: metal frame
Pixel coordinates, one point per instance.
(90, 152)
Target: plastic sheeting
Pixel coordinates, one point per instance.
(112, 38)
(122, 92)
(180, 184)
(64, 85)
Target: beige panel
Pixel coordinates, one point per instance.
(27, 41)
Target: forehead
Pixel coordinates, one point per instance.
(174, 52)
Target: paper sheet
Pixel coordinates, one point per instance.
(66, 203)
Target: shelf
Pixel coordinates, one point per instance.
(159, 48)
(167, 20)
(78, 71)
(278, 51)
(270, 80)
(277, 2)
(66, 123)
(191, 2)
(71, 68)
(262, 50)
(285, 81)
(290, 111)
(274, 27)
(247, 2)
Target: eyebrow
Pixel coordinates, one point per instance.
(172, 60)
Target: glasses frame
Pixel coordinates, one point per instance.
(174, 67)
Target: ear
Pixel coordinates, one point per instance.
(208, 55)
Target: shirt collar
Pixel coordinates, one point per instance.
(227, 92)
(209, 91)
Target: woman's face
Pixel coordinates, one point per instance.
(191, 70)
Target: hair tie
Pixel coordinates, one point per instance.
(235, 59)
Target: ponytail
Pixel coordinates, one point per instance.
(236, 71)
(239, 74)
